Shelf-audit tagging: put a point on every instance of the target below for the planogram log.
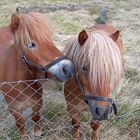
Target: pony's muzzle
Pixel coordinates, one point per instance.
(100, 112)
(63, 71)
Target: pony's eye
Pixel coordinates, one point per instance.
(84, 68)
(33, 45)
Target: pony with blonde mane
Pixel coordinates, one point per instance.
(27, 52)
(97, 56)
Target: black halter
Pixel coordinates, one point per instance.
(97, 98)
(42, 68)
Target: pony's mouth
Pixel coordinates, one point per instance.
(54, 77)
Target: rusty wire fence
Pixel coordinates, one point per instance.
(55, 119)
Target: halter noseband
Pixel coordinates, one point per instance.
(43, 68)
(97, 98)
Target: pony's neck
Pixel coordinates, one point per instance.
(11, 64)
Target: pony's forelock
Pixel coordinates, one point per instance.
(33, 26)
(101, 54)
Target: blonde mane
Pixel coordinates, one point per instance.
(102, 56)
(33, 26)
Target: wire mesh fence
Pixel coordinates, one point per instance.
(21, 105)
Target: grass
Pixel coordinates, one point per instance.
(85, 116)
(67, 1)
(55, 112)
(94, 10)
(64, 25)
(129, 110)
(14, 133)
(69, 28)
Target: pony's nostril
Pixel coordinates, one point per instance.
(98, 111)
(66, 71)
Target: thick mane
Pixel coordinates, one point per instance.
(33, 26)
(102, 56)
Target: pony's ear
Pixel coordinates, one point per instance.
(82, 37)
(14, 22)
(115, 35)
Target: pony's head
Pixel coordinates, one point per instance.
(33, 39)
(98, 63)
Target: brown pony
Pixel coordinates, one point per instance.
(27, 52)
(97, 55)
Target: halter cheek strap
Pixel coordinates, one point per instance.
(96, 98)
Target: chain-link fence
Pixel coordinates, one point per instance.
(55, 119)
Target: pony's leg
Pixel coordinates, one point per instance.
(20, 122)
(95, 125)
(36, 117)
(75, 125)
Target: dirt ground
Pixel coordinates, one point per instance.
(68, 18)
